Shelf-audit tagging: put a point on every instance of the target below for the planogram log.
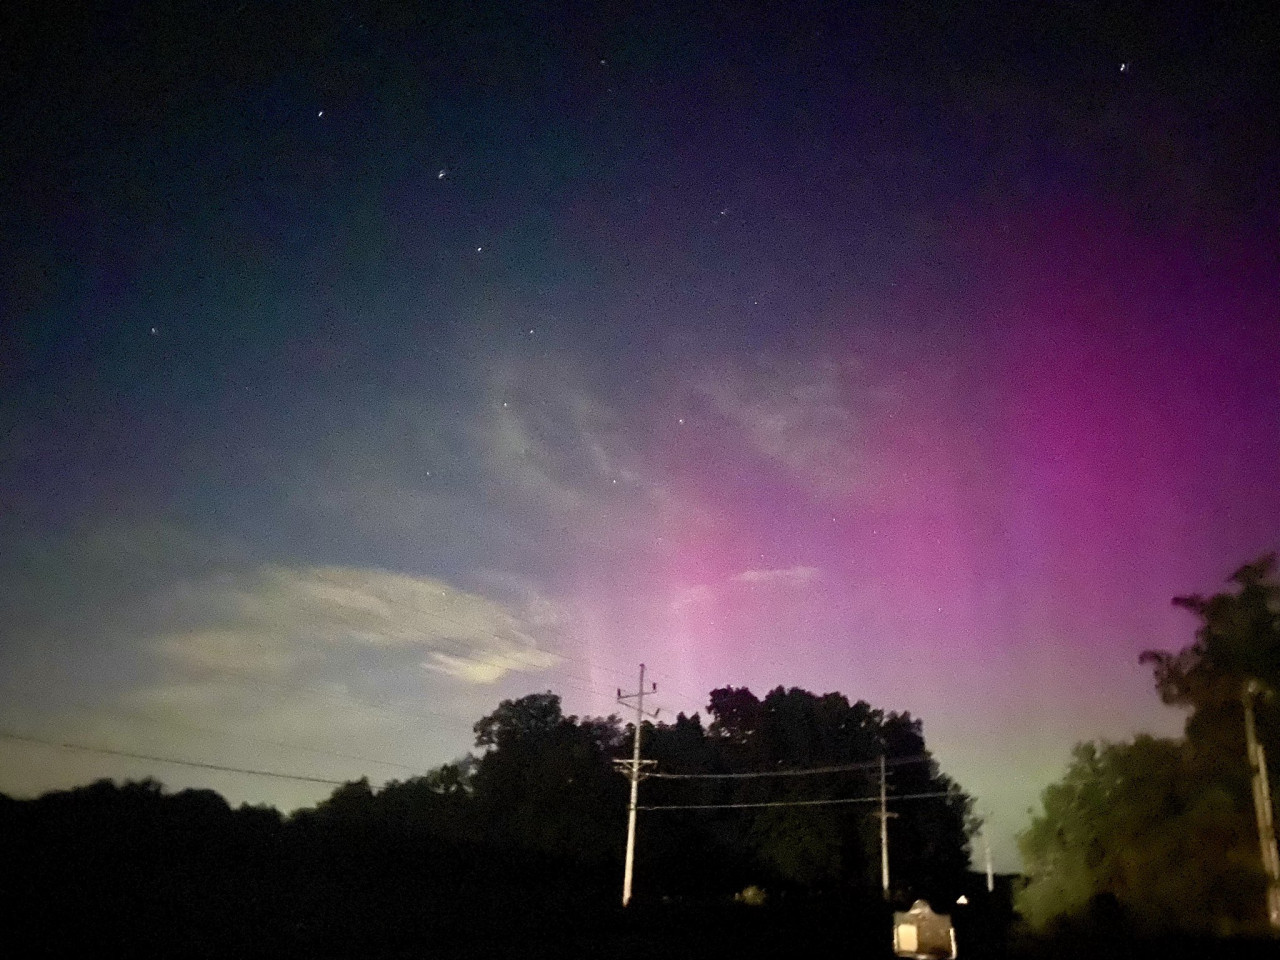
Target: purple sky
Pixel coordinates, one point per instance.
(859, 355)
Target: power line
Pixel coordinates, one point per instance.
(172, 722)
(844, 768)
(144, 716)
(10, 735)
(793, 803)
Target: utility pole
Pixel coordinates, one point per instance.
(884, 816)
(991, 874)
(633, 769)
(1262, 806)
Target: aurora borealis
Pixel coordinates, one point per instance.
(369, 366)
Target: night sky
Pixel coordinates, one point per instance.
(365, 364)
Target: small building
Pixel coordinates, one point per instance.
(923, 934)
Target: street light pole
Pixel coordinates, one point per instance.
(1262, 806)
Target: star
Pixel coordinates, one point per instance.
(155, 332)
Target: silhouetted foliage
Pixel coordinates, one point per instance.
(1165, 828)
(803, 847)
(1138, 824)
(1238, 639)
(479, 854)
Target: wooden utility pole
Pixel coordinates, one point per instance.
(884, 816)
(1262, 806)
(633, 769)
(991, 874)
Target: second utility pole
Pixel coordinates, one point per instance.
(1262, 806)
(634, 771)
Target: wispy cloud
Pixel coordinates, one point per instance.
(781, 577)
(786, 575)
(691, 596)
(285, 621)
(800, 415)
(547, 437)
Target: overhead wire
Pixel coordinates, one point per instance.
(153, 758)
(351, 701)
(200, 728)
(175, 722)
(792, 803)
(807, 771)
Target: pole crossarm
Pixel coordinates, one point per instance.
(624, 766)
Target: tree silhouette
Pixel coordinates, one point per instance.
(530, 830)
(1165, 828)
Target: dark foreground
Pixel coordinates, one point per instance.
(106, 872)
(508, 928)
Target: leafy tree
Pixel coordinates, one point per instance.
(812, 846)
(1166, 827)
(1134, 822)
(527, 719)
(547, 781)
(1238, 640)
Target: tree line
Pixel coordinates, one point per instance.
(530, 828)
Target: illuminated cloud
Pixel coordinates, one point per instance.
(283, 621)
(784, 577)
(489, 667)
(788, 575)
